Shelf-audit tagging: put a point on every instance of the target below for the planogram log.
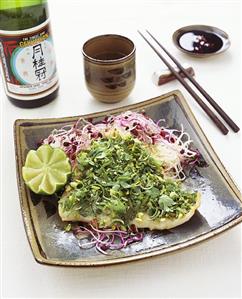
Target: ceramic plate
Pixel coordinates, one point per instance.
(220, 209)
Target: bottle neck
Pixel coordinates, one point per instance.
(9, 4)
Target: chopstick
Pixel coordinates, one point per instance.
(215, 105)
(209, 112)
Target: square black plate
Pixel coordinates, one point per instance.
(220, 208)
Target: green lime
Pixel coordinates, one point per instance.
(46, 170)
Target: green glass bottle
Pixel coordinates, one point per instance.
(27, 57)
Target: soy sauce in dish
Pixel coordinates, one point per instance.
(198, 41)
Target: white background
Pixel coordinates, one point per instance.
(211, 269)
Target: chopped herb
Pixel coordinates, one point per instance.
(117, 177)
(68, 227)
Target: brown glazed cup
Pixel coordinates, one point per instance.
(109, 65)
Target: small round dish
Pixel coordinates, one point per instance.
(201, 40)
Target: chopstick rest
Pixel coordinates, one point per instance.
(164, 76)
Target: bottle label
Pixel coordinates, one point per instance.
(28, 62)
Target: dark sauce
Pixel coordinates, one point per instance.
(201, 42)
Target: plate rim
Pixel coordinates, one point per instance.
(35, 246)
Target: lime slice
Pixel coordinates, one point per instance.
(46, 170)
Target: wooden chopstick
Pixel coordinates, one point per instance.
(209, 112)
(215, 105)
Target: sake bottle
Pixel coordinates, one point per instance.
(27, 57)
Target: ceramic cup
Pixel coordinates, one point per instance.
(109, 65)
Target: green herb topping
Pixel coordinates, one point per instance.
(118, 178)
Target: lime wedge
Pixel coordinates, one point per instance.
(46, 170)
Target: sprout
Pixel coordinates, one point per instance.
(171, 146)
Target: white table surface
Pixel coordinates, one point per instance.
(211, 269)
